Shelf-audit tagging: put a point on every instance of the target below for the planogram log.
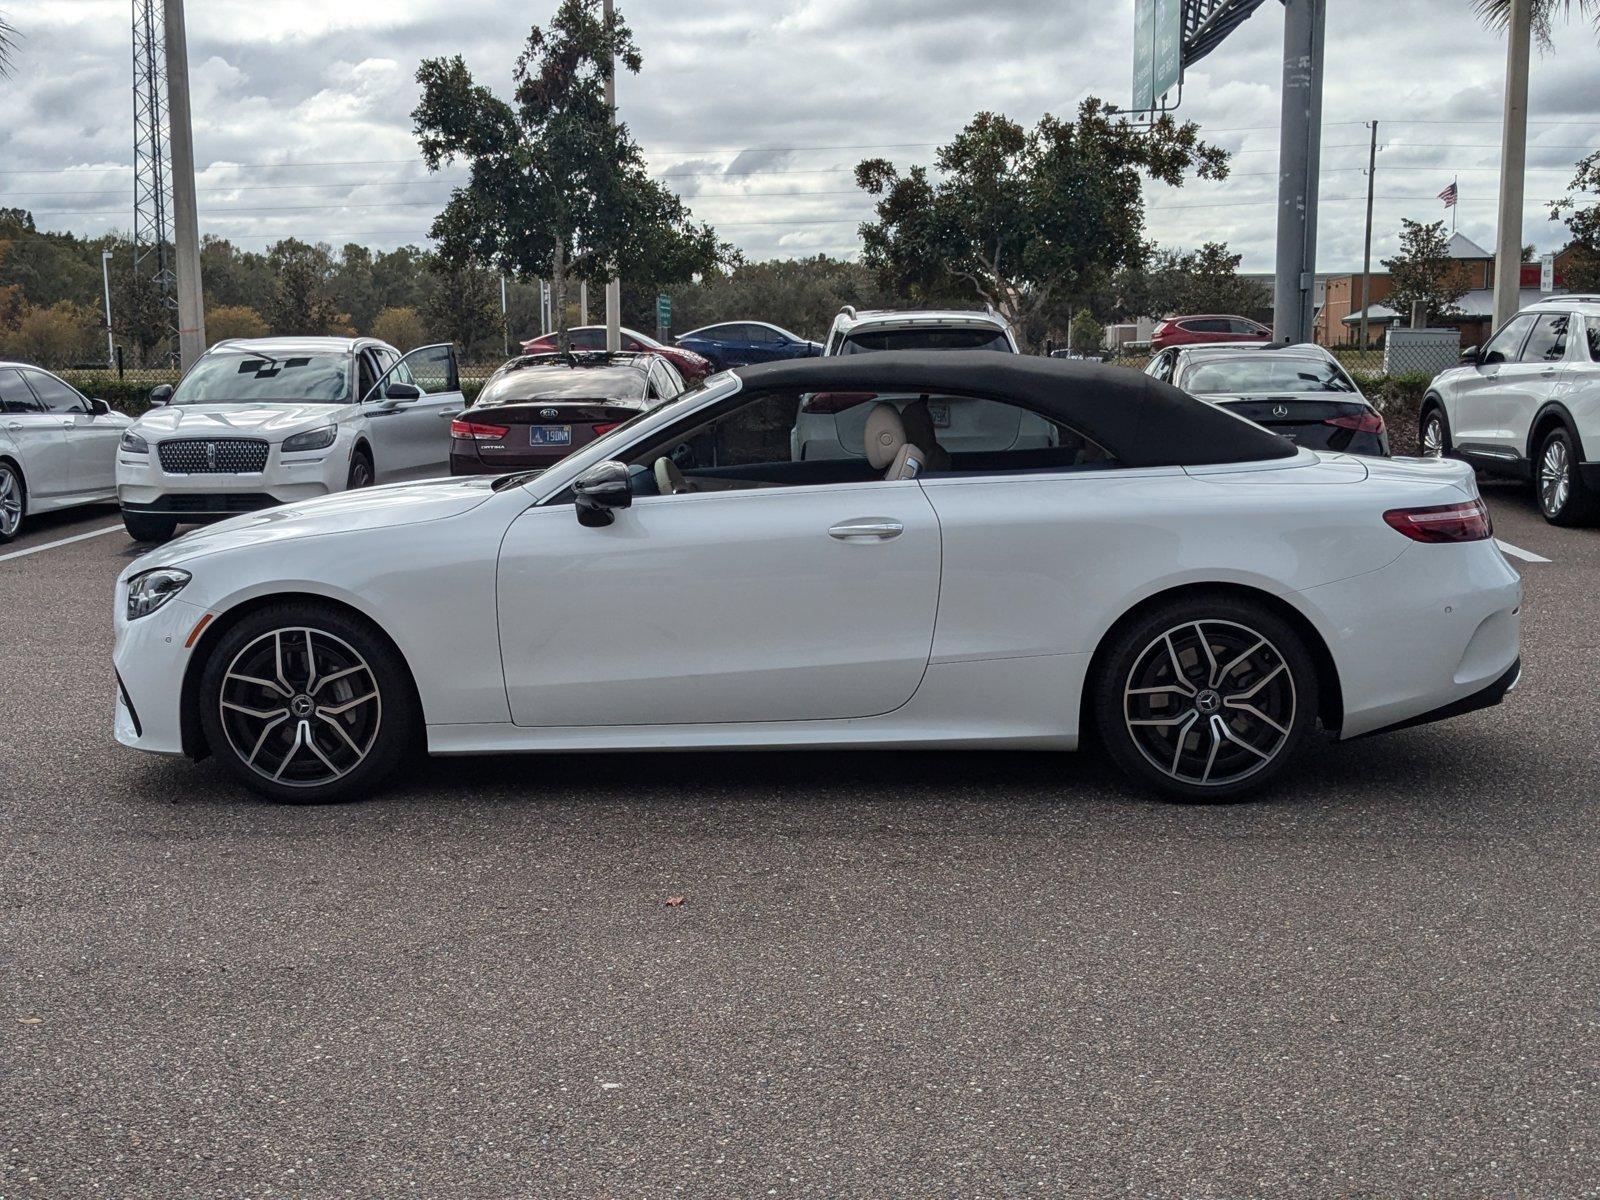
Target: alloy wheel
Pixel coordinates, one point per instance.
(360, 473)
(1433, 437)
(300, 707)
(1555, 477)
(1209, 703)
(10, 502)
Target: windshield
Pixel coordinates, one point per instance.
(235, 377)
(1266, 375)
(934, 338)
(561, 383)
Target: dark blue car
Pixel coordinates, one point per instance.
(736, 343)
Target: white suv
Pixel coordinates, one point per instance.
(833, 425)
(1527, 404)
(274, 420)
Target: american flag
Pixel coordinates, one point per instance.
(1449, 196)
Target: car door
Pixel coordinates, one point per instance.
(40, 437)
(411, 437)
(91, 437)
(760, 604)
(1531, 382)
(1477, 413)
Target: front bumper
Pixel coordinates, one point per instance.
(144, 487)
(151, 658)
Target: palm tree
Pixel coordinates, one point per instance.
(1497, 14)
(8, 43)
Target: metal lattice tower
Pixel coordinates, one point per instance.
(152, 183)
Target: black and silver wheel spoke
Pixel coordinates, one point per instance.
(1433, 437)
(1210, 702)
(300, 707)
(1555, 476)
(10, 502)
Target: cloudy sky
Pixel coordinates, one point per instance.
(755, 112)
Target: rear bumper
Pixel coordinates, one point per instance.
(469, 463)
(1484, 698)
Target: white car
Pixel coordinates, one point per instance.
(1527, 404)
(266, 421)
(1196, 588)
(831, 424)
(58, 448)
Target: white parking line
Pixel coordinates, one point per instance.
(1519, 552)
(77, 537)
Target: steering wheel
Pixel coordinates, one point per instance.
(669, 480)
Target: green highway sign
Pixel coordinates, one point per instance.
(664, 311)
(1157, 50)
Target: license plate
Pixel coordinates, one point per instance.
(550, 435)
(939, 410)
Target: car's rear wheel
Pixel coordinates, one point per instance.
(307, 704)
(13, 502)
(1563, 498)
(149, 527)
(1205, 699)
(1433, 433)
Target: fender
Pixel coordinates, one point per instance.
(1557, 409)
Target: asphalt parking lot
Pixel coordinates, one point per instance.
(891, 974)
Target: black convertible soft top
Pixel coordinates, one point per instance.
(1139, 420)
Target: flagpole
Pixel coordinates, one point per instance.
(1455, 208)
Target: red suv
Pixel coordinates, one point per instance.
(1207, 327)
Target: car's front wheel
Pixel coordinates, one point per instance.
(1563, 498)
(149, 527)
(1433, 433)
(13, 502)
(1205, 698)
(307, 704)
(361, 473)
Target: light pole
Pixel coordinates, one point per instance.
(185, 218)
(1299, 151)
(614, 285)
(1513, 161)
(105, 275)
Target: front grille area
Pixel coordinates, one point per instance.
(213, 456)
(206, 503)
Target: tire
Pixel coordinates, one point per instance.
(361, 473)
(13, 501)
(1433, 424)
(326, 739)
(149, 527)
(1558, 484)
(1155, 680)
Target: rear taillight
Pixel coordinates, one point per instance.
(474, 431)
(1367, 422)
(606, 427)
(1443, 522)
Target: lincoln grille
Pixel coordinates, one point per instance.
(213, 456)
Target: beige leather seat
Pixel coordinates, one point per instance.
(920, 432)
(886, 445)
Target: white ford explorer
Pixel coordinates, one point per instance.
(267, 421)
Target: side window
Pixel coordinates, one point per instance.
(757, 333)
(14, 394)
(1164, 365)
(588, 339)
(1207, 325)
(1591, 327)
(54, 395)
(652, 383)
(1548, 341)
(1508, 341)
(367, 372)
(674, 385)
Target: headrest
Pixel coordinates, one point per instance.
(885, 434)
(920, 432)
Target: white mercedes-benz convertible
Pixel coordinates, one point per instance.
(1023, 550)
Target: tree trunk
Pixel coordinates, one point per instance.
(558, 292)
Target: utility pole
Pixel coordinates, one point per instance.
(505, 321)
(1366, 254)
(614, 286)
(583, 302)
(105, 275)
(185, 218)
(1299, 162)
(1513, 162)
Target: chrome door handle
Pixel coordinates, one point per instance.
(13, 425)
(868, 528)
(450, 416)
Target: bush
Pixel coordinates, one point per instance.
(57, 336)
(1400, 398)
(234, 321)
(400, 327)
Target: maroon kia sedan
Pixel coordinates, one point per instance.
(537, 409)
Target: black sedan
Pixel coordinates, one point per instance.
(537, 409)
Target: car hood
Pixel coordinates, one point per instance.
(343, 512)
(271, 421)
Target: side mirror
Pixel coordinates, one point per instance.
(1470, 355)
(601, 489)
(99, 408)
(160, 394)
(396, 394)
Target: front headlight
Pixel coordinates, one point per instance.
(150, 590)
(133, 443)
(315, 439)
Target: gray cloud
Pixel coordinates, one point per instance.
(280, 84)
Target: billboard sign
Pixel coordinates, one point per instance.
(1157, 50)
